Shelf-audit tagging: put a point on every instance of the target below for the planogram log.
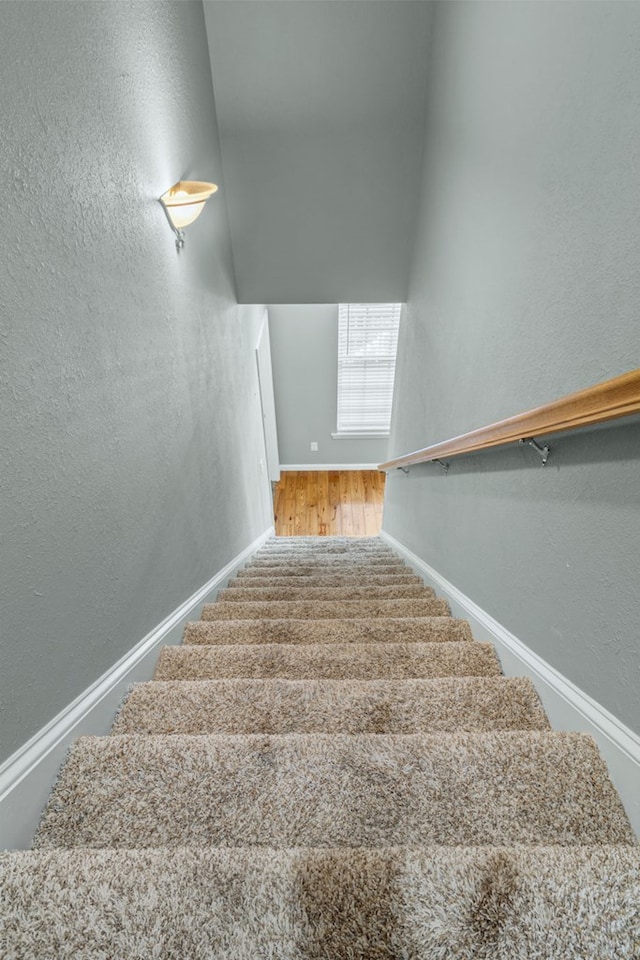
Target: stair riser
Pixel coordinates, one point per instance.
(371, 661)
(355, 630)
(348, 706)
(508, 788)
(323, 609)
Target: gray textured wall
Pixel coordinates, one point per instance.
(525, 286)
(304, 352)
(130, 426)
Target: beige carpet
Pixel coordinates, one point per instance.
(336, 630)
(325, 609)
(347, 570)
(455, 903)
(331, 593)
(331, 563)
(332, 706)
(329, 767)
(336, 661)
(333, 790)
(346, 579)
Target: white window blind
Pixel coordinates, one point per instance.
(367, 345)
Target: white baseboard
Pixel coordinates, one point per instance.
(27, 776)
(568, 707)
(328, 466)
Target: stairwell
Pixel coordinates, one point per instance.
(329, 766)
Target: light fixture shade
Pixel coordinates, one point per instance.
(185, 200)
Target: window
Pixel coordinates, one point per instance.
(367, 345)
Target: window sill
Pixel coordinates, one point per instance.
(360, 435)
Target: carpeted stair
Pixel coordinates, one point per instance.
(328, 767)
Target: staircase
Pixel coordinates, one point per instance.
(328, 767)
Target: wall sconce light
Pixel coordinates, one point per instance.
(183, 203)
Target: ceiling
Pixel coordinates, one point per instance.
(320, 108)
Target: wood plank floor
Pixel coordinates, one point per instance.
(329, 503)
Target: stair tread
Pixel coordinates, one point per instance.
(326, 550)
(325, 543)
(321, 609)
(328, 580)
(292, 630)
(330, 560)
(357, 592)
(326, 570)
(316, 556)
(327, 706)
(325, 546)
(364, 661)
(333, 790)
(337, 540)
(553, 903)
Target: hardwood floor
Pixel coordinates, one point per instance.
(329, 503)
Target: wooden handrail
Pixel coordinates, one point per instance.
(618, 397)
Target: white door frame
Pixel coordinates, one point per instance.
(267, 400)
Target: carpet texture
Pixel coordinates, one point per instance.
(328, 768)
(316, 564)
(339, 790)
(289, 569)
(354, 630)
(324, 609)
(325, 546)
(359, 592)
(332, 706)
(329, 661)
(456, 903)
(328, 580)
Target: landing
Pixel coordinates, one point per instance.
(328, 503)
